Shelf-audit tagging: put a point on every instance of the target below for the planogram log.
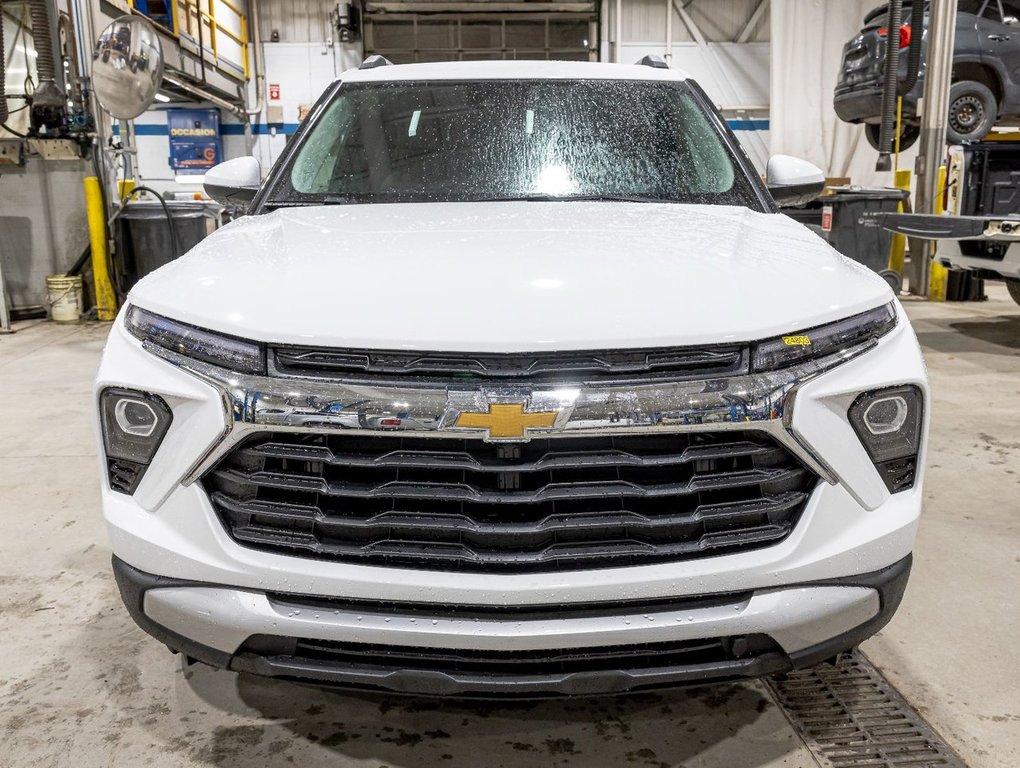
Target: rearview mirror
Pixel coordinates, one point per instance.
(793, 181)
(235, 182)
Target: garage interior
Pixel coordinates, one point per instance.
(84, 203)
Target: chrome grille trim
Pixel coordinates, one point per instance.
(758, 401)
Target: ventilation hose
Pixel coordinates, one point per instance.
(889, 90)
(48, 106)
(915, 51)
(3, 74)
(41, 35)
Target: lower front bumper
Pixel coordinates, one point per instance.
(863, 104)
(536, 651)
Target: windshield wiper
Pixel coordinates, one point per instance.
(369, 197)
(326, 200)
(545, 197)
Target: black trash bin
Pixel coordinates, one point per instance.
(853, 234)
(143, 237)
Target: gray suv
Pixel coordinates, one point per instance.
(986, 72)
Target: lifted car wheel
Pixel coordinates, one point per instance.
(1013, 286)
(908, 135)
(972, 112)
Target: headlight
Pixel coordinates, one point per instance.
(188, 340)
(888, 423)
(823, 340)
(134, 424)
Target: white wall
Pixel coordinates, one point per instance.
(804, 72)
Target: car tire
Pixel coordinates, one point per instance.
(909, 134)
(1013, 286)
(894, 278)
(973, 110)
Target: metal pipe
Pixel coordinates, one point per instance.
(618, 21)
(669, 32)
(260, 73)
(932, 143)
(204, 94)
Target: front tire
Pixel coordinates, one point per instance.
(909, 134)
(1013, 286)
(973, 110)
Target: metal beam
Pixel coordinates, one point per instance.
(692, 28)
(934, 116)
(201, 93)
(752, 22)
(712, 59)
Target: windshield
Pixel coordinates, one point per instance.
(507, 140)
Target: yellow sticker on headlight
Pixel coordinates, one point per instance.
(797, 341)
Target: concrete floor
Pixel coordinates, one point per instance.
(81, 686)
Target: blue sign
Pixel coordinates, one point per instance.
(195, 144)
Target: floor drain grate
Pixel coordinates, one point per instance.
(850, 716)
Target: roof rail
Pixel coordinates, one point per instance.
(651, 60)
(375, 60)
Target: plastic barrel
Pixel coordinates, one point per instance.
(65, 298)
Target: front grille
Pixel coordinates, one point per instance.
(619, 366)
(545, 505)
(515, 664)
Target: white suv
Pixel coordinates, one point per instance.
(512, 382)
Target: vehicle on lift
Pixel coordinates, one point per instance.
(981, 231)
(985, 79)
(513, 382)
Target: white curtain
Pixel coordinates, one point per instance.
(807, 47)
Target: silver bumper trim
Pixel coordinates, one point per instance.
(796, 618)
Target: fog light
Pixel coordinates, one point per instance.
(886, 415)
(134, 424)
(888, 423)
(135, 417)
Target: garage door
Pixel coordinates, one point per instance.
(407, 32)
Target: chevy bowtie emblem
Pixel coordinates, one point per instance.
(506, 421)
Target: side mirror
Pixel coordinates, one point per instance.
(1010, 21)
(235, 182)
(793, 181)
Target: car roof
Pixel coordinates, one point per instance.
(512, 70)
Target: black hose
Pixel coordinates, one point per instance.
(3, 74)
(80, 263)
(166, 212)
(12, 131)
(894, 19)
(915, 50)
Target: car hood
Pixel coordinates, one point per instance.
(511, 277)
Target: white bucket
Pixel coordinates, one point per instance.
(65, 298)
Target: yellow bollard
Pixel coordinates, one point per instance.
(898, 249)
(106, 299)
(938, 276)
